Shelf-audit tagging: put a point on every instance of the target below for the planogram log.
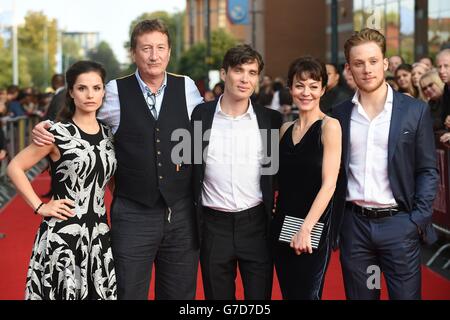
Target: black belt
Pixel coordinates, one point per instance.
(372, 213)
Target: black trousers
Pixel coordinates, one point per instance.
(236, 239)
(390, 245)
(141, 236)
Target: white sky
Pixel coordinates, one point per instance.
(111, 18)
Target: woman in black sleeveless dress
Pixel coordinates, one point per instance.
(72, 257)
(310, 151)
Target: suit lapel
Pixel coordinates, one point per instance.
(264, 123)
(398, 109)
(346, 116)
(207, 120)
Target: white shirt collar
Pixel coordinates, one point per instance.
(250, 113)
(143, 85)
(59, 90)
(387, 104)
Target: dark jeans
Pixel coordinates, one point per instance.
(140, 236)
(391, 244)
(231, 239)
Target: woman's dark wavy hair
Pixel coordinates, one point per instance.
(79, 67)
(307, 67)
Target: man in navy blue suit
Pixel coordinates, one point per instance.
(388, 178)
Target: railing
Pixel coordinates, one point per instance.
(441, 205)
(17, 132)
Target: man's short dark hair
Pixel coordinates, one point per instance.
(58, 80)
(336, 70)
(242, 54)
(12, 89)
(147, 26)
(428, 58)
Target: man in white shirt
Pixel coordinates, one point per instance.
(388, 181)
(234, 197)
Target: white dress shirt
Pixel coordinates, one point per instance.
(109, 113)
(59, 90)
(233, 164)
(368, 181)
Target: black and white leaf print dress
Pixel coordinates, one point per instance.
(72, 259)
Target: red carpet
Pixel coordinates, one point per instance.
(19, 224)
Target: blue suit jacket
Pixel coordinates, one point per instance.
(412, 168)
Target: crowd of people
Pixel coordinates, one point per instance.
(16, 103)
(353, 168)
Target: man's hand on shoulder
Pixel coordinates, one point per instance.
(40, 134)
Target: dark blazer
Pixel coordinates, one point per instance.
(2, 139)
(56, 104)
(446, 102)
(267, 119)
(412, 168)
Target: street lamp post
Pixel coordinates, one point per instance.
(178, 30)
(45, 39)
(254, 23)
(15, 50)
(208, 42)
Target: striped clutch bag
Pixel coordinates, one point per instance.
(292, 224)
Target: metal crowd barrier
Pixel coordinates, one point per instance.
(441, 205)
(17, 132)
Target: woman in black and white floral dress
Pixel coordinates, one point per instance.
(72, 258)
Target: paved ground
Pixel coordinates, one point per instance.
(443, 258)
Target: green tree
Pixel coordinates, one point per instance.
(194, 62)
(71, 52)
(221, 41)
(175, 25)
(104, 55)
(37, 40)
(6, 67)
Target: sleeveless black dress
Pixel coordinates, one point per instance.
(300, 277)
(72, 259)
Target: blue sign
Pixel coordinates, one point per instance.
(238, 11)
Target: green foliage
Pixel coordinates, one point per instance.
(221, 41)
(6, 67)
(129, 70)
(104, 55)
(71, 52)
(194, 62)
(37, 40)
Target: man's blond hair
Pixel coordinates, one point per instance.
(364, 36)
